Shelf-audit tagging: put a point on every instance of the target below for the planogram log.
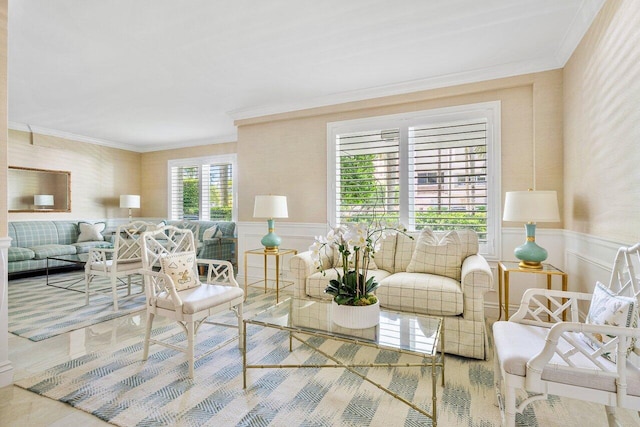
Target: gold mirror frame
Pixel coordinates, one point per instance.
(25, 183)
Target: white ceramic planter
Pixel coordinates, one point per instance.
(355, 317)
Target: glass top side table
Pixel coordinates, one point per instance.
(277, 255)
(507, 267)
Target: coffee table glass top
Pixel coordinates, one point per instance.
(406, 332)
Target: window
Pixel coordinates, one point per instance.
(202, 188)
(436, 168)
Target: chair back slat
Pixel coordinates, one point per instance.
(165, 241)
(127, 241)
(624, 279)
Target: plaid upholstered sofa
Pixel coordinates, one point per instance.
(459, 299)
(215, 239)
(33, 241)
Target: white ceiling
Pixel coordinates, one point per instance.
(153, 74)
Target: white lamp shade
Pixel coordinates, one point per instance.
(270, 207)
(43, 200)
(129, 201)
(531, 206)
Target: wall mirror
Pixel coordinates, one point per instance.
(38, 190)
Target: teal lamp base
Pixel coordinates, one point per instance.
(271, 240)
(530, 254)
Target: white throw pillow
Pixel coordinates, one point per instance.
(180, 268)
(211, 233)
(608, 308)
(91, 232)
(437, 256)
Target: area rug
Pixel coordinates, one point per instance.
(38, 311)
(120, 388)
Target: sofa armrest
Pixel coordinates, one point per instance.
(301, 266)
(477, 279)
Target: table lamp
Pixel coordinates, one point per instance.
(270, 207)
(531, 207)
(130, 201)
(43, 201)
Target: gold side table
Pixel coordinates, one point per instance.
(506, 267)
(277, 255)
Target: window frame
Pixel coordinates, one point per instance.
(199, 162)
(491, 111)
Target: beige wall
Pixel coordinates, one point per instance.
(602, 127)
(98, 174)
(287, 154)
(154, 173)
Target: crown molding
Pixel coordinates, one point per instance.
(129, 147)
(578, 28)
(71, 136)
(448, 80)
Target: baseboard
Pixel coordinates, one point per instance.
(6, 373)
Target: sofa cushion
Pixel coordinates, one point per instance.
(317, 282)
(385, 256)
(44, 251)
(421, 293)
(19, 254)
(405, 246)
(84, 247)
(34, 233)
(436, 255)
(91, 232)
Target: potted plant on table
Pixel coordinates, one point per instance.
(355, 305)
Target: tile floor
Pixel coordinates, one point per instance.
(22, 408)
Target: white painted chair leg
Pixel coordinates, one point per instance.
(128, 285)
(147, 335)
(509, 407)
(611, 416)
(87, 282)
(114, 289)
(191, 347)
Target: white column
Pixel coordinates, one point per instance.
(6, 368)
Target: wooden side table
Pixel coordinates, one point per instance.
(506, 267)
(277, 255)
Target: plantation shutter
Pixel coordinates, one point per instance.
(448, 176)
(367, 168)
(202, 191)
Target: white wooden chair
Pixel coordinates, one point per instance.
(123, 260)
(537, 351)
(175, 290)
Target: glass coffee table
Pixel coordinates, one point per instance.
(407, 333)
(78, 260)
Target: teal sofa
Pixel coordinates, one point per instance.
(33, 241)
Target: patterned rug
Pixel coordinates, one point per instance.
(38, 311)
(120, 388)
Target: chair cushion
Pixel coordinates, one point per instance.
(421, 293)
(607, 308)
(180, 267)
(91, 232)
(201, 297)
(515, 344)
(435, 255)
(122, 266)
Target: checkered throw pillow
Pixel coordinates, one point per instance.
(437, 256)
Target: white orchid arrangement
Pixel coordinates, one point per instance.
(357, 244)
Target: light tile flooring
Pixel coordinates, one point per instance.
(22, 408)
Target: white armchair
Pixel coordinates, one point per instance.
(537, 351)
(174, 289)
(123, 260)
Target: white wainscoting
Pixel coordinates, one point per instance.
(6, 368)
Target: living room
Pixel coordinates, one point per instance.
(572, 129)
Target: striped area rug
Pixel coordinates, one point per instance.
(38, 311)
(120, 388)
